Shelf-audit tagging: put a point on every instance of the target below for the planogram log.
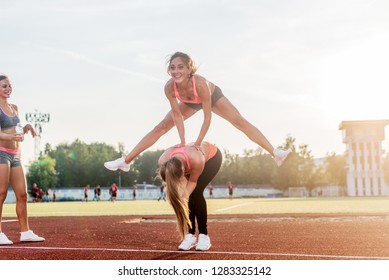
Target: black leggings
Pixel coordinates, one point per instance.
(197, 202)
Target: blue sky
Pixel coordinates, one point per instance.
(295, 68)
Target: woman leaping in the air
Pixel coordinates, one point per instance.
(194, 93)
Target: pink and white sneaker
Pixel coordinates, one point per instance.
(281, 155)
(203, 243)
(188, 243)
(4, 239)
(117, 164)
(29, 236)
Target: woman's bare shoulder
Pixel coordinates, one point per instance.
(15, 107)
(200, 79)
(169, 87)
(169, 82)
(203, 82)
(164, 157)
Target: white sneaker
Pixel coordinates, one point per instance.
(188, 243)
(281, 155)
(4, 239)
(117, 164)
(29, 236)
(203, 243)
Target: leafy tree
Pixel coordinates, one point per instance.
(98, 174)
(297, 171)
(264, 170)
(319, 176)
(229, 169)
(78, 164)
(43, 173)
(255, 167)
(146, 166)
(335, 169)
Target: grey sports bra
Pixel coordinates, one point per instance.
(7, 122)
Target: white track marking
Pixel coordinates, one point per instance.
(199, 252)
(234, 206)
(8, 221)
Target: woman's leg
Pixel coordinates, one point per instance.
(4, 178)
(199, 205)
(160, 129)
(192, 212)
(225, 109)
(18, 183)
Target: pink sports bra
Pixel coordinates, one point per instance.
(196, 100)
(181, 150)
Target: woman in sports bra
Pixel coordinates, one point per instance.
(187, 93)
(187, 171)
(11, 170)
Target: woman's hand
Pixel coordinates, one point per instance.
(17, 137)
(198, 148)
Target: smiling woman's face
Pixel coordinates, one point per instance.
(5, 88)
(179, 70)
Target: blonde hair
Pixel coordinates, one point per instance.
(171, 172)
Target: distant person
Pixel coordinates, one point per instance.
(41, 193)
(162, 194)
(188, 93)
(230, 190)
(113, 192)
(187, 171)
(34, 192)
(11, 168)
(86, 190)
(134, 191)
(46, 196)
(210, 189)
(54, 196)
(98, 192)
(94, 194)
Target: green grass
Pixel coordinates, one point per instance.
(215, 206)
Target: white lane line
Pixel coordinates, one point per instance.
(8, 221)
(101, 213)
(234, 206)
(200, 252)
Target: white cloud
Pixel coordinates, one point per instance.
(92, 61)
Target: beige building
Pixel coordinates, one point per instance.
(363, 139)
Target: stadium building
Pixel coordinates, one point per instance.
(364, 157)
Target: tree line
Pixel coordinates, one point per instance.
(78, 164)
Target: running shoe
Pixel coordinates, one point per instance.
(281, 155)
(117, 164)
(188, 243)
(29, 236)
(4, 239)
(203, 242)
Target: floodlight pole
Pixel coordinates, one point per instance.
(37, 119)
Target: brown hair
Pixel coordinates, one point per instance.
(3, 77)
(171, 172)
(187, 60)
